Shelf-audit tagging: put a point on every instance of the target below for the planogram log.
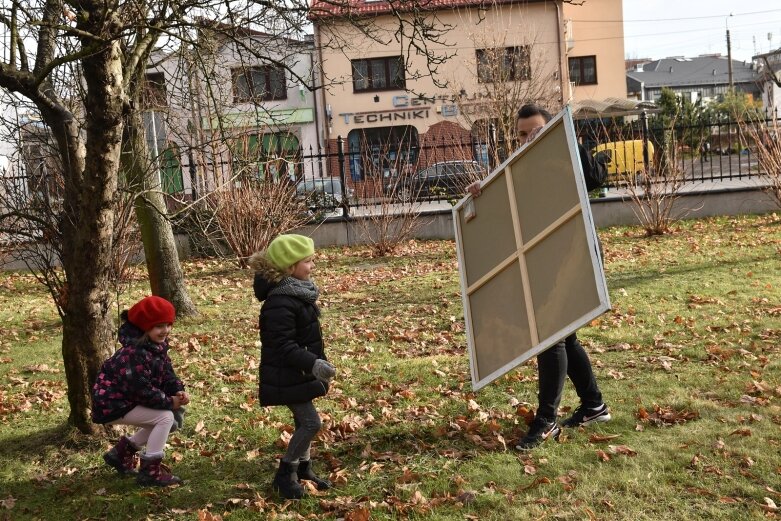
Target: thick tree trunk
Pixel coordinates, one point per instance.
(87, 223)
(162, 258)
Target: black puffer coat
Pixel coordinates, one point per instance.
(291, 342)
(594, 172)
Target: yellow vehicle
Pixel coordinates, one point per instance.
(623, 159)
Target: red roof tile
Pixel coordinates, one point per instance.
(343, 8)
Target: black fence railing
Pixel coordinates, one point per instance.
(698, 152)
(707, 150)
(349, 176)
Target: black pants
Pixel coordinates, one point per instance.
(567, 358)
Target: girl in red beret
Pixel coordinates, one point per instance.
(138, 386)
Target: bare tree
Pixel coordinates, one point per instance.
(141, 171)
(510, 74)
(78, 62)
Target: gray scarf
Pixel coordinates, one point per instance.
(291, 286)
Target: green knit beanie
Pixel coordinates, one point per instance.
(286, 250)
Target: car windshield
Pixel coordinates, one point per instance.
(451, 169)
(329, 186)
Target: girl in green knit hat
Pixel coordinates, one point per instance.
(293, 366)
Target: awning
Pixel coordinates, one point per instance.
(610, 108)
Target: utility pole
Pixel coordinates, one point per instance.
(729, 53)
(729, 60)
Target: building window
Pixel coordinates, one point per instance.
(266, 156)
(153, 93)
(503, 64)
(378, 74)
(381, 153)
(264, 83)
(583, 70)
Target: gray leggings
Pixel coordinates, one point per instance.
(308, 424)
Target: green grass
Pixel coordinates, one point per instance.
(688, 359)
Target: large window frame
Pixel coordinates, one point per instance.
(579, 71)
(378, 74)
(259, 83)
(501, 64)
(381, 152)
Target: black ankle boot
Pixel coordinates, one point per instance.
(286, 481)
(305, 472)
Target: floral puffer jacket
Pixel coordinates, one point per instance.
(139, 373)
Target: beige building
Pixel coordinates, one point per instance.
(594, 35)
(388, 103)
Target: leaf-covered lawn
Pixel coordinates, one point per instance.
(688, 360)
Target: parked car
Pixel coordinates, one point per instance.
(444, 180)
(324, 195)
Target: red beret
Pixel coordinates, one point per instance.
(150, 311)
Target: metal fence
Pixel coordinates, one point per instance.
(705, 151)
(346, 178)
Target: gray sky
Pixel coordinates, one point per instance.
(662, 28)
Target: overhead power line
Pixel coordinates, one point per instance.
(719, 16)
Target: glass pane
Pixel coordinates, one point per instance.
(243, 91)
(589, 70)
(574, 70)
(396, 73)
(509, 70)
(482, 65)
(258, 86)
(379, 81)
(360, 75)
(278, 86)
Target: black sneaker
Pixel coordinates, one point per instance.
(539, 431)
(585, 415)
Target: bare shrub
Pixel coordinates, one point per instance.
(250, 213)
(766, 137)
(508, 76)
(387, 219)
(390, 221)
(655, 191)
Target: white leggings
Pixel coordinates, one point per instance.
(154, 426)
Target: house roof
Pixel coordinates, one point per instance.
(609, 108)
(702, 70)
(775, 52)
(341, 8)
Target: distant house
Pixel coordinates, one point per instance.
(703, 78)
(244, 110)
(769, 66)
